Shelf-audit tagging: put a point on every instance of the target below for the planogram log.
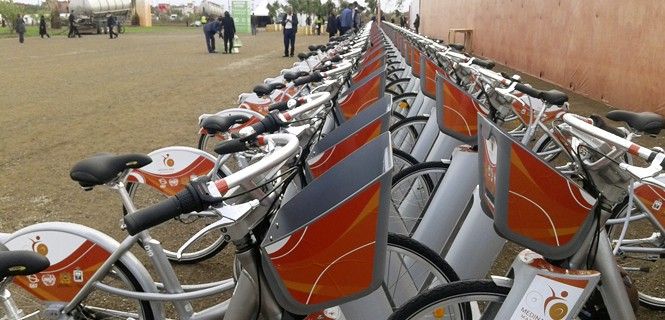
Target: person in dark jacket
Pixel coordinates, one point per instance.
(42, 28)
(346, 19)
(229, 27)
(416, 24)
(210, 29)
(332, 25)
(254, 23)
(111, 22)
(290, 24)
(19, 26)
(73, 30)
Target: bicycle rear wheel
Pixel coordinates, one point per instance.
(462, 300)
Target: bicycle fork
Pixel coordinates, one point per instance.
(251, 283)
(12, 311)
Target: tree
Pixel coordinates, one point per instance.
(328, 7)
(272, 10)
(371, 5)
(9, 10)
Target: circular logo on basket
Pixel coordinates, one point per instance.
(168, 161)
(556, 307)
(38, 246)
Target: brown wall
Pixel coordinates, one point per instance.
(608, 50)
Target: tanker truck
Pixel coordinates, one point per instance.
(211, 9)
(91, 14)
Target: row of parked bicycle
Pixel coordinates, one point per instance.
(329, 181)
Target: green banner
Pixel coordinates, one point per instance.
(241, 11)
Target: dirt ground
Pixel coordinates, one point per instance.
(62, 100)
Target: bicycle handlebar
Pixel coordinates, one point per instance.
(654, 157)
(314, 77)
(487, 64)
(200, 194)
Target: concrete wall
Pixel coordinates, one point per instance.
(609, 50)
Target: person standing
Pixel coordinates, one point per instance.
(319, 23)
(229, 27)
(290, 24)
(356, 17)
(416, 23)
(209, 30)
(346, 19)
(111, 22)
(19, 26)
(73, 30)
(331, 28)
(42, 28)
(308, 22)
(253, 22)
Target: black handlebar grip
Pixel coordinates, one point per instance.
(312, 47)
(230, 146)
(528, 90)
(184, 201)
(270, 123)
(487, 64)
(316, 76)
(280, 106)
(302, 80)
(336, 58)
(302, 56)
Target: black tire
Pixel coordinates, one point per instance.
(415, 184)
(547, 149)
(398, 85)
(402, 160)
(30, 304)
(396, 117)
(403, 102)
(455, 298)
(644, 269)
(423, 265)
(391, 92)
(184, 229)
(405, 133)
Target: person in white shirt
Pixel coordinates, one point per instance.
(290, 24)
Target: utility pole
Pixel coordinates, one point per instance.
(378, 9)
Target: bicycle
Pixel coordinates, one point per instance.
(558, 274)
(110, 170)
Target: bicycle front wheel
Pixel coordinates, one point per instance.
(411, 269)
(410, 194)
(405, 133)
(175, 232)
(462, 300)
(640, 255)
(97, 305)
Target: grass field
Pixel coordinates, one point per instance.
(33, 31)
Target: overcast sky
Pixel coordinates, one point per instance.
(386, 5)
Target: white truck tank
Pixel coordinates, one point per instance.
(99, 7)
(210, 8)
